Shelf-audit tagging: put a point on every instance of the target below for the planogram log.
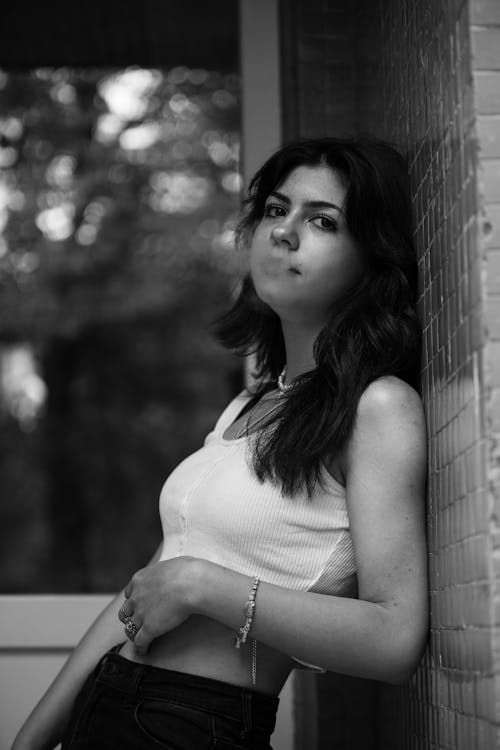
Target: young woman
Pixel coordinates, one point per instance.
(299, 525)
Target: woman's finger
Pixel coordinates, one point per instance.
(142, 641)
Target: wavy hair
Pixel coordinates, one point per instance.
(374, 332)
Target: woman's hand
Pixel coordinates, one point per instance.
(158, 599)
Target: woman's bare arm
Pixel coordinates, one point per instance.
(45, 726)
(382, 634)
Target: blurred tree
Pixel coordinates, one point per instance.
(118, 199)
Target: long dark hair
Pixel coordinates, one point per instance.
(374, 332)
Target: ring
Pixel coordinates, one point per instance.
(123, 616)
(131, 629)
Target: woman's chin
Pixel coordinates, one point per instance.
(265, 302)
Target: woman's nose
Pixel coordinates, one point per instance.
(285, 234)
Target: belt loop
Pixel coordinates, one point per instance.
(104, 658)
(137, 679)
(99, 667)
(134, 682)
(246, 711)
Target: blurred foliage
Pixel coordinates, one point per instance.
(115, 190)
(119, 193)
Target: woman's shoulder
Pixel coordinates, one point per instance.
(390, 421)
(389, 436)
(387, 407)
(389, 395)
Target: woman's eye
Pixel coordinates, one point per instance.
(273, 210)
(325, 222)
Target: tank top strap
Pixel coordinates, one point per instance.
(231, 411)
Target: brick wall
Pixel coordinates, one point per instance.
(429, 111)
(329, 46)
(318, 56)
(485, 33)
(416, 80)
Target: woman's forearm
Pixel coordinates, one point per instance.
(45, 726)
(350, 636)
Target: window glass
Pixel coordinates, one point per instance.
(119, 192)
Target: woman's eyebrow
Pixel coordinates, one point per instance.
(310, 204)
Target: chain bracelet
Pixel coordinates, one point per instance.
(245, 628)
(249, 609)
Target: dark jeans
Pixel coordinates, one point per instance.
(127, 705)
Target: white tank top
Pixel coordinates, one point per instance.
(213, 507)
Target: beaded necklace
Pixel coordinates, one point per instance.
(284, 389)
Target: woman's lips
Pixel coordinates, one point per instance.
(277, 265)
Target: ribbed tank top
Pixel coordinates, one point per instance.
(212, 506)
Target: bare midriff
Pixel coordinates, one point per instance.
(205, 647)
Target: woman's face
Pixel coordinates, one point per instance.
(302, 256)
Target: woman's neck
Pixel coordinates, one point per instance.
(299, 346)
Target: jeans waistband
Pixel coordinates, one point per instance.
(204, 693)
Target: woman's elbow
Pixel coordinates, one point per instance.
(400, 677)
(405, 660)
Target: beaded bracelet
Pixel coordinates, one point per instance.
(250, 609)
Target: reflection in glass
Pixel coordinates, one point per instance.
(119, 193)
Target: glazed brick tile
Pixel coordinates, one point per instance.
(488, 130)
(485, 12)
(490, 180)
(493, 364)
(487, 92)
(485, 48)
(493, 272)
(490, 225)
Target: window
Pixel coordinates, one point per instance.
(118, 199)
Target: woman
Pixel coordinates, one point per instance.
(299, 526)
